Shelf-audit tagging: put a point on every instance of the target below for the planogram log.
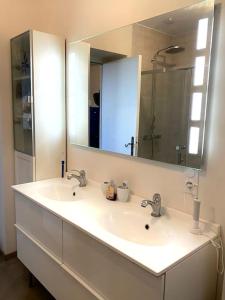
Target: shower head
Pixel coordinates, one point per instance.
(174, 49)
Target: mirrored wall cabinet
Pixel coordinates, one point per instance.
(141, 90)
(38, 93)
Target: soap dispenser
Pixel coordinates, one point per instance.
(111, 191)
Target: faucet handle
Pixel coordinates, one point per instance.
(80, 176)
(156, 198)
(80, 172)
(155, 204)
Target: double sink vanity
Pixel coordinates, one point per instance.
(81, 246)
(139, 91)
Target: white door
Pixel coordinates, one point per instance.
(120, 104)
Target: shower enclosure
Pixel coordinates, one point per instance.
(164, 108)
(164, 115)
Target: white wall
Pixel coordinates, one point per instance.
(82, 18)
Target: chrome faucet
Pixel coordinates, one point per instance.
(81, 177)
(155, 204)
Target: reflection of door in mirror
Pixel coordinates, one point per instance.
(114, 96)
(163, 132)
(120, 104)
(94, 104)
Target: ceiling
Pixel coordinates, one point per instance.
(180, 21)
(99, 56)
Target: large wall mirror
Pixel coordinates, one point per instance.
(141, 90)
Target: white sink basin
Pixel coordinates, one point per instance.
(136, 227)
(57, 191)
(61, 192)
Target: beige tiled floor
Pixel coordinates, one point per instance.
(14, 283)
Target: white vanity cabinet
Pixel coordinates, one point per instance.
(72, 264)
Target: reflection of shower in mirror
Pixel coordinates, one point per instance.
(159, 60)
(173, 49)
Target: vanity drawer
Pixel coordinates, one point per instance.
(40, 224)
(49, 272)
(112, 275)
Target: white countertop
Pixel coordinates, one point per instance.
(121, 226)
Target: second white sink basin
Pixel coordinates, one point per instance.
(136, 227)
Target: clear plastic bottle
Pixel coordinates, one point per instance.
(111, 191)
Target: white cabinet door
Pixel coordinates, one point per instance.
(59, 283)
(40, 224)
(110, 274)
(24, 168)
(49, 103)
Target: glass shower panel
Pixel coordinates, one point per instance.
(172, 115)
(21, 93)
(165, 104)
(146, 117)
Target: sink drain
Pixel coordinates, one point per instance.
(74, 194)
(147, 227)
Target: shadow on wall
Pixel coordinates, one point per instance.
(208, 156)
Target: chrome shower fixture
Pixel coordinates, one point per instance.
(173, 49)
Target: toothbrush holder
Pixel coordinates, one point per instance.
(123, 193)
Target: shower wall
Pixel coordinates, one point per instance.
(147, 42)
(187, 57)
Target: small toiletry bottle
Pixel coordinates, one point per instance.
(104, 187)
(123, 192)
(111, 191)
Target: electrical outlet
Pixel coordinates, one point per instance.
(191, 182)
(189, 186)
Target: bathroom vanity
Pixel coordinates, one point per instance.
(81, 246)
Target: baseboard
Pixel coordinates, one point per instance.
(10, 255)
